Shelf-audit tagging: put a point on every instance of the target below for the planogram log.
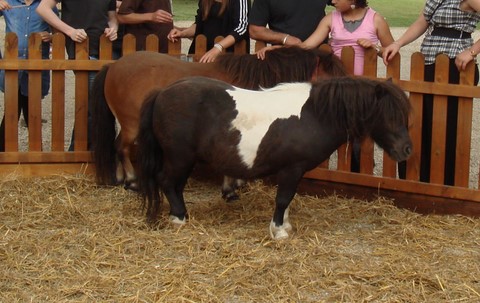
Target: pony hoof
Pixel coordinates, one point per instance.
(117, 182)
(231, 197)
(239, 183)
(176, 220)
(131, 186)
(287, 226)
(279, 232)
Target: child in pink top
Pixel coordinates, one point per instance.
(352, 23)
(341, 36)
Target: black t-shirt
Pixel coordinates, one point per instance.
(298, 18)
(233, 22)
(92, 16)
(142, 30)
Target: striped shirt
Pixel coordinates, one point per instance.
(447, 13)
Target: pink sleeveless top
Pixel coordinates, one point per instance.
(341, 37)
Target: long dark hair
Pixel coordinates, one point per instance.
(286, 64)
(207, 5)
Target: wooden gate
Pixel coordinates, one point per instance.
(332, 176)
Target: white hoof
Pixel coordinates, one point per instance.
(279, 232)
(177, 220)
(240, 183)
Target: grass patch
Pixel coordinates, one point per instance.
(398, 13)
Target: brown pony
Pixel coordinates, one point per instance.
(120, 88)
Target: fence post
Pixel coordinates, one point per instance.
(11, 94)
(417, 64)
(35, 95)
(81, 99)
(58, 95)
(464, 130)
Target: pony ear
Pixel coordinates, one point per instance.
(380, 90)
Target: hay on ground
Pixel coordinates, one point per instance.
(63, 239)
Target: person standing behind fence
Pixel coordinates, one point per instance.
(81, 20)
(117, 44)
(285, 22)
(447, 26)
(145, 17)
(226, 18)
(21, 19)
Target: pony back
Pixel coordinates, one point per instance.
(286, 64)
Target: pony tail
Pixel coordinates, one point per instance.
(149, 159)
(103, 140)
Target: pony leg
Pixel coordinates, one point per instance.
(119, 172)
(280, 225)
(173, 185)
(178, 211)
(229, 188)
(129, 171)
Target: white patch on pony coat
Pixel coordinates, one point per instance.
(258, 109)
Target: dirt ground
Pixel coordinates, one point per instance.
(65, 239)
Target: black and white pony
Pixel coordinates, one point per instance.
(283, 131)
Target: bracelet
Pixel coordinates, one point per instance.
(285, 39)
(218, 46)
(472, 53)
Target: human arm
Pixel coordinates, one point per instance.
(177, 33)
(159, 16)
(259, 17)
(320, 33)
(217, 49)
(463, 58)
(111, 30)
(262, 33)
(4, 5)
(470, 5)
(45, 10)
(411, 34)
(237, 32)
(45, 36)
(383, 33)
(261, 53)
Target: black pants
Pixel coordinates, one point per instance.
(451, 131)
(22, 107)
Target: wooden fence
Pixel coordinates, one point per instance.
(332, 176)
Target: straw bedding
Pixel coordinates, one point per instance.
(63, 239)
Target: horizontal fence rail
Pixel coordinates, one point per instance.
(378, 173)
